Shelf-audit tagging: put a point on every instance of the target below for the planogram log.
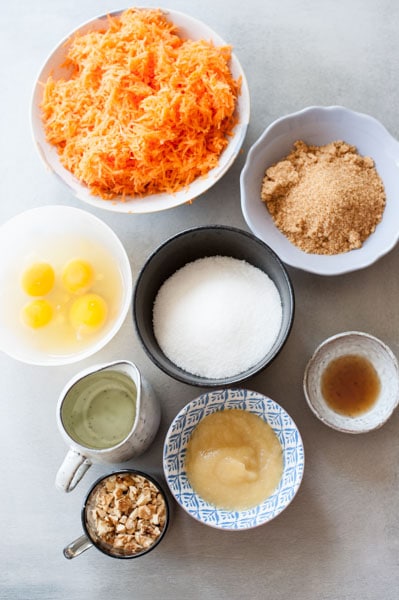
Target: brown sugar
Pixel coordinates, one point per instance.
(324, 199)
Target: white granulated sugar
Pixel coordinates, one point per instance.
(217, 316)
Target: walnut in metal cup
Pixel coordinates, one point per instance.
(125, 515)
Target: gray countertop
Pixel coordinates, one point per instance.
(339, 539)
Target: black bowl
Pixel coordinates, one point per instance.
(186, 247)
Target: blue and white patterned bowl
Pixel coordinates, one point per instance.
(175, 451)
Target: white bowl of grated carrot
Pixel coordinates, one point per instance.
(138, 126)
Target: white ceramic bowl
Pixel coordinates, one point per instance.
(189, 28)
(175, 450)
(318, 126)
(385, 364)
(29, 237)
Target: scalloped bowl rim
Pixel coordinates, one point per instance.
(157, 202)
(174, 451)
(351, 126)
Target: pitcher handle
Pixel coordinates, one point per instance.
(73, 467)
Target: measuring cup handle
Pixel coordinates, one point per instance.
(73, 467)
(77, 547)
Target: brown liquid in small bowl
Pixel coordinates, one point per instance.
(350, 385)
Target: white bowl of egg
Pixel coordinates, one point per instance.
(65, 288)
(233, 459)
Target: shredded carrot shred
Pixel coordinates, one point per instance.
(144, 111)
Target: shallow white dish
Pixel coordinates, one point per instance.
(318, 126)
(384, 362)
(188, 27)
(25, 239)
(175, 450)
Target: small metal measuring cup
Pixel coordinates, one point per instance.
(91, 536)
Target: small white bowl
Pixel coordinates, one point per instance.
(189, 28)
(51, 233)
(175, 451)
(318, 125)
(385, 364)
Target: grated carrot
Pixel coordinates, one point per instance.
(144, 111)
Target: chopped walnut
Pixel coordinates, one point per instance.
(126, 513)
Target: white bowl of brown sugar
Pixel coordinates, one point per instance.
(320, 188)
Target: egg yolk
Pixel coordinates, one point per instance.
(77, 276)
(38, 279)
(88, 313)
(37, 313)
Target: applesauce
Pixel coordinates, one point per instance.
(234, 459)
